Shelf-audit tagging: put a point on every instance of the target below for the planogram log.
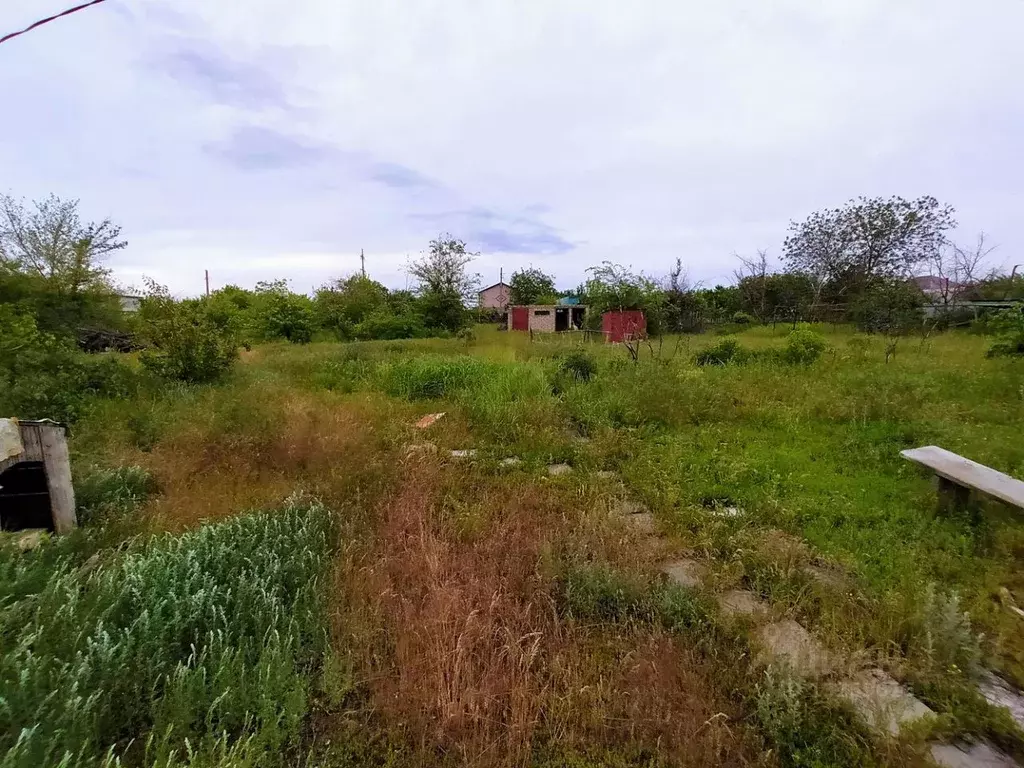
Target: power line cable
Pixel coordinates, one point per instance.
(47, 20)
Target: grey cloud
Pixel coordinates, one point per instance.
(253, 148)
(232, 81)
(399, 176)
(505, 233)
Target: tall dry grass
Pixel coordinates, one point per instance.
(461, 649)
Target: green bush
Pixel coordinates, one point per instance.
(803, 347)
(185, 342)
(724, 352)
(383, 325)
(43, 376)
(280, 314)
(1008, 326)
(201, 643)
(578, 364)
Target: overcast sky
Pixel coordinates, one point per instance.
(265, 139)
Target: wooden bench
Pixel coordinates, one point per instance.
(958, 476)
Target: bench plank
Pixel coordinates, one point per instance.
(969, 474)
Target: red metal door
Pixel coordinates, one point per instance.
(520, 318)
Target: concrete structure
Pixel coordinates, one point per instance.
(932, 286)
(545, 318)
(35, 477)
(494, 296)
(129, 302)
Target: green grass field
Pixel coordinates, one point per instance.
(409, 608)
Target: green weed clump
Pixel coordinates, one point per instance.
(104, 492)
(599, 593)
(806, 729)
(724, 352)
(431, 376)
(579, 365)
(191, 648)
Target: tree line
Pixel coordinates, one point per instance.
(850, 263)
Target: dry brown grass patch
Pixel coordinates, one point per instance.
(301, 442)
(459, 645)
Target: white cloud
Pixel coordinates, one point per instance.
(277, 139)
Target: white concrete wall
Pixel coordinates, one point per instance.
(542, 323)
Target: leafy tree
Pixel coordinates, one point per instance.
(444, 283)
(281, 314)
(892, 307)
(615, 287)
(51, 260)
(347, 302)
(531, 286)
(867, 239)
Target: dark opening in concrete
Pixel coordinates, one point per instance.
(24, 498)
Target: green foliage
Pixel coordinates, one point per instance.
(888, 306)
(350, 301)
(868, 239)
(532, 286)
(806, 729)
(940, 636)
(579, 364)
(1008, 327)
(281, 314)
(50, 265)
(726, 351)
(197, 645)
(444, 284)
(101, 494)
(43, 376)
(615, 287)
(599, 593)
(383, 324)
(431, 376)
(186, 343)
(803, 347)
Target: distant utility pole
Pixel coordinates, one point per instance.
(207, 282)
(501, 275)
(362, 261)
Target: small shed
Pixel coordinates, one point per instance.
(35, 477)
(624, 325)
(546, 318)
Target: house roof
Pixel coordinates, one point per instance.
(505, 285)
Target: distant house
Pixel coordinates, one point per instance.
(932, 286)
(129, 302)
(546, 318)
(494, 296)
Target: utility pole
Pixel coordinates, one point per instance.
(501, 275)
(207, 282)
(362, 261)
